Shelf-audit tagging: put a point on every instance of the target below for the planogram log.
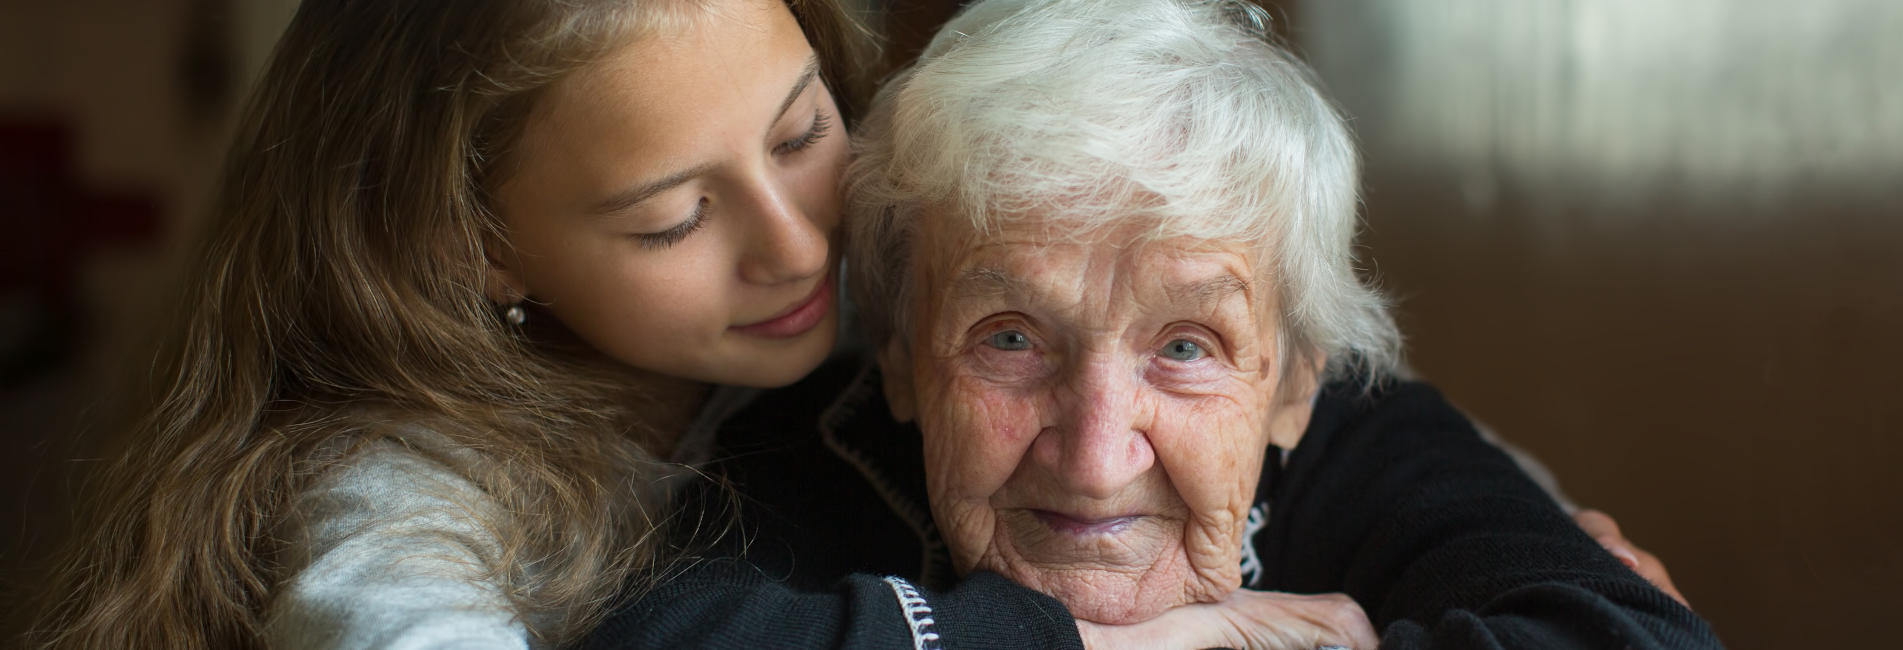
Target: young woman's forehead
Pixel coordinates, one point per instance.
(660, 106)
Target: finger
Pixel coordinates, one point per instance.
(1621, 549)
(1247, 620)
(1597, 524)
(1643, 563)
(1604, 530)
(1352, 622)
(1332, 619)
(1654, 572)
(1188, 626)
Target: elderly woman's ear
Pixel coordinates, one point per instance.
(896, 368)
(1295, 400)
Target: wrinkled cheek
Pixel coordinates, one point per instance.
(1216, 475)
(1218, 467)
(1211, 542)
(974, 442)
(971, 530)
(979, 437)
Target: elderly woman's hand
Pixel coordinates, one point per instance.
(1247, 620)
(1603, 529)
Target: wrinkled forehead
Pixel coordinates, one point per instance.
(1134, 231)
(1102, 205)
(1029, 257)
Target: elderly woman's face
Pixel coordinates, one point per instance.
(1096, 415)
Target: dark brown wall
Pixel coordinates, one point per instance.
(1727, 392)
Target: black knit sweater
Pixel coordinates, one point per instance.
(1391, 497)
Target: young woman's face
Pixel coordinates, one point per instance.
(674, 205)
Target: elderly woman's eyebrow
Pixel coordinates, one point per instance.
(984, 281)
(1207, 292)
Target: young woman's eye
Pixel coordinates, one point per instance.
(1009, 340)
(822, 124)
(674, 235)
(1183, 350)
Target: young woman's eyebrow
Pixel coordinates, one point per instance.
(622, 201)
(807, 76)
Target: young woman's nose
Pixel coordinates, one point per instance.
(1097, 446)
(783, 242)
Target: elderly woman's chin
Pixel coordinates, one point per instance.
(1113, 570)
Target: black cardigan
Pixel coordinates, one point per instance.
(1391, 497)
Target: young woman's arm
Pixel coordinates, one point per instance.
(1395, 500)
(729, 604)
(388, 553)
(726, 603)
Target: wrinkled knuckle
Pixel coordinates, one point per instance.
(1346, 615)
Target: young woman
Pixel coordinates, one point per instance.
(473, 269)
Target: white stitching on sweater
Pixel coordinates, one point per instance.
(919, 521)
(918, 614)
(1252, 563)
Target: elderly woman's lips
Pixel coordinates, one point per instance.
(1072, 525)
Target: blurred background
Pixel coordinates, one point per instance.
(1657, 243)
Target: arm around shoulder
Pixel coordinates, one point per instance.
(391, 555)
(1447, 544)
(727, 603)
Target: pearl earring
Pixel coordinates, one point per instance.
(515, 315)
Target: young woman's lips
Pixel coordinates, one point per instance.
(1072, 525)
(797, 319)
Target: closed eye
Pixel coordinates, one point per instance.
(674, 235)
(822, 125)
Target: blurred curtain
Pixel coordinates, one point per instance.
(1747, 104)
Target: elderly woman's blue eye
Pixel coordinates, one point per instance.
(1183, 350)
(1009, 340)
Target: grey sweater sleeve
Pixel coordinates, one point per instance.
(387, 552)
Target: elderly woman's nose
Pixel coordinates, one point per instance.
(1097, 445)
(783, 243)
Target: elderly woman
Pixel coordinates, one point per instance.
(1103, 250)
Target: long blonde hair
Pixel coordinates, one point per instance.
(338, 289)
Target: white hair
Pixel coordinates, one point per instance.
(1180, 116)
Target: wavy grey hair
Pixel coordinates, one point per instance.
(1181, 116)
